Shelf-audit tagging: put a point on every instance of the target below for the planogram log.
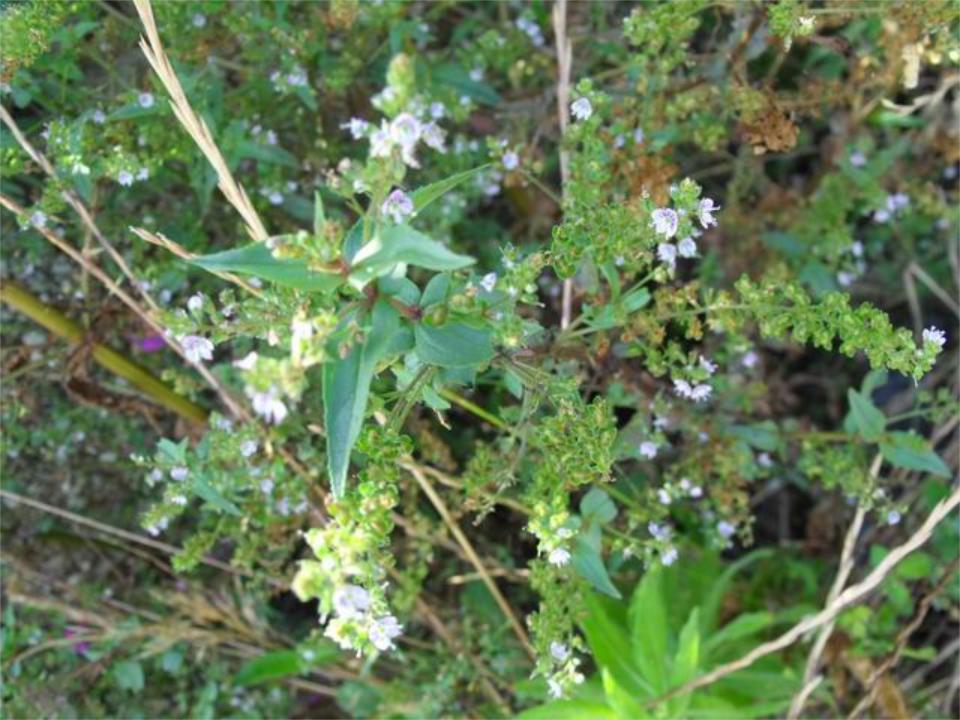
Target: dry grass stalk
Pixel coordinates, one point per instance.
(564, 65)
(193, 123)
(849, 597)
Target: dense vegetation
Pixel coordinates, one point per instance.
(473, 359)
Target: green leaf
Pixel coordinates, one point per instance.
(453, 345)
(763, 436)
(685, 661)
(346, 388)
(319, 218)
(270, 666)
(623, 703)
(610, 643)
(598, 505)
(743, 626)
(867, 418)
(456, 77)
(174, 452)
(588, 561)
(909, 450)
(636, 299)
(649, 627)
(428, 193)
(436, 290)
(402, 244)
(209, 493)
(128, 675)
(568, 710)
(265, 153)
(256, 259)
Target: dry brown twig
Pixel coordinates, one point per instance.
(810, 677)
(194, 124)
(564, 65)
(849, 597)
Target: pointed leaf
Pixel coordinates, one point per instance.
(257, 260)
(909, 450)
(588, 561)
(609, 642)
(402, 244)
(453, 345)
(649, 626)
(868, 419)
(428, 193)
(346, 388)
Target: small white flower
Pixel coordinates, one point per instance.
(893, 517)
(750, 359)
(696, 492)
(665, 221)
(649, 449)
(682, 388)
(726, 529)
(489, 281)
(437, 110)
(98, 117)
(510, 160)
(80, 169)
(619, 261)
(405, 130)
(763, 460)
(125, 178)
(856, 248)
(638, 136)
(271, 137)
(659, 532)
(180, 500)
(881, 216)
(701, 392)
(179, 473)
(199, 20)
(397, 206)
(266, 486)
(619, 141)
(247, 362)
(357, 127)
(858, 159)
(555, 689)
(559, 651)
(664, 497)
(669, 556)
(897, 201)
(195, 303)
(710, 367)
(581, 109)
(705, 211)
(275, 197)
(383, 631)
(145, 100)
(844, 278)
(38, 219)
(559, 557)
(934, 336)
(197, 348)
(248, 448)
(687, 247)
(476, 74)
(350, 601)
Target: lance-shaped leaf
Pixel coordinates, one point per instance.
(346, 388)
(428, 193)
(402, 244)
(453, 345)
(257, 260)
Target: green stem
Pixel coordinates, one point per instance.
(475, 409)
(138, 376)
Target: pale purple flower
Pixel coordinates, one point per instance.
(664, 497)
(619, 141)
(696, 492)
(665, 221)
(38, 219)
(510, 160)
(893, 517)
(350, 601)
(275, 197)
(384, 631)
(559, 651)
(397, 206)
(145, 100)
(559, 557)
(881, 216)
(197, 348)
(581, 109)
(179, 473)
(195, 303)
(701, 392)
(750, 359)
(434, 137)
(271, 137)
(638, 136)
(726, 529)
(98, 117)
(763, 460)
(437, 110)
(705, 211)
(248, 448)
(489, 281)
(125, 178)
(659, 532)
(856, 248)
(649, 449)
(687, 247)
(669, 556)
(858, 159)
(269, 406)
(199, 20)
(897, 201)
(476, 74)
(667, 252)
(934, 336)
(381, 144)
(357, 127)
(710, 367)
(845, 278)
